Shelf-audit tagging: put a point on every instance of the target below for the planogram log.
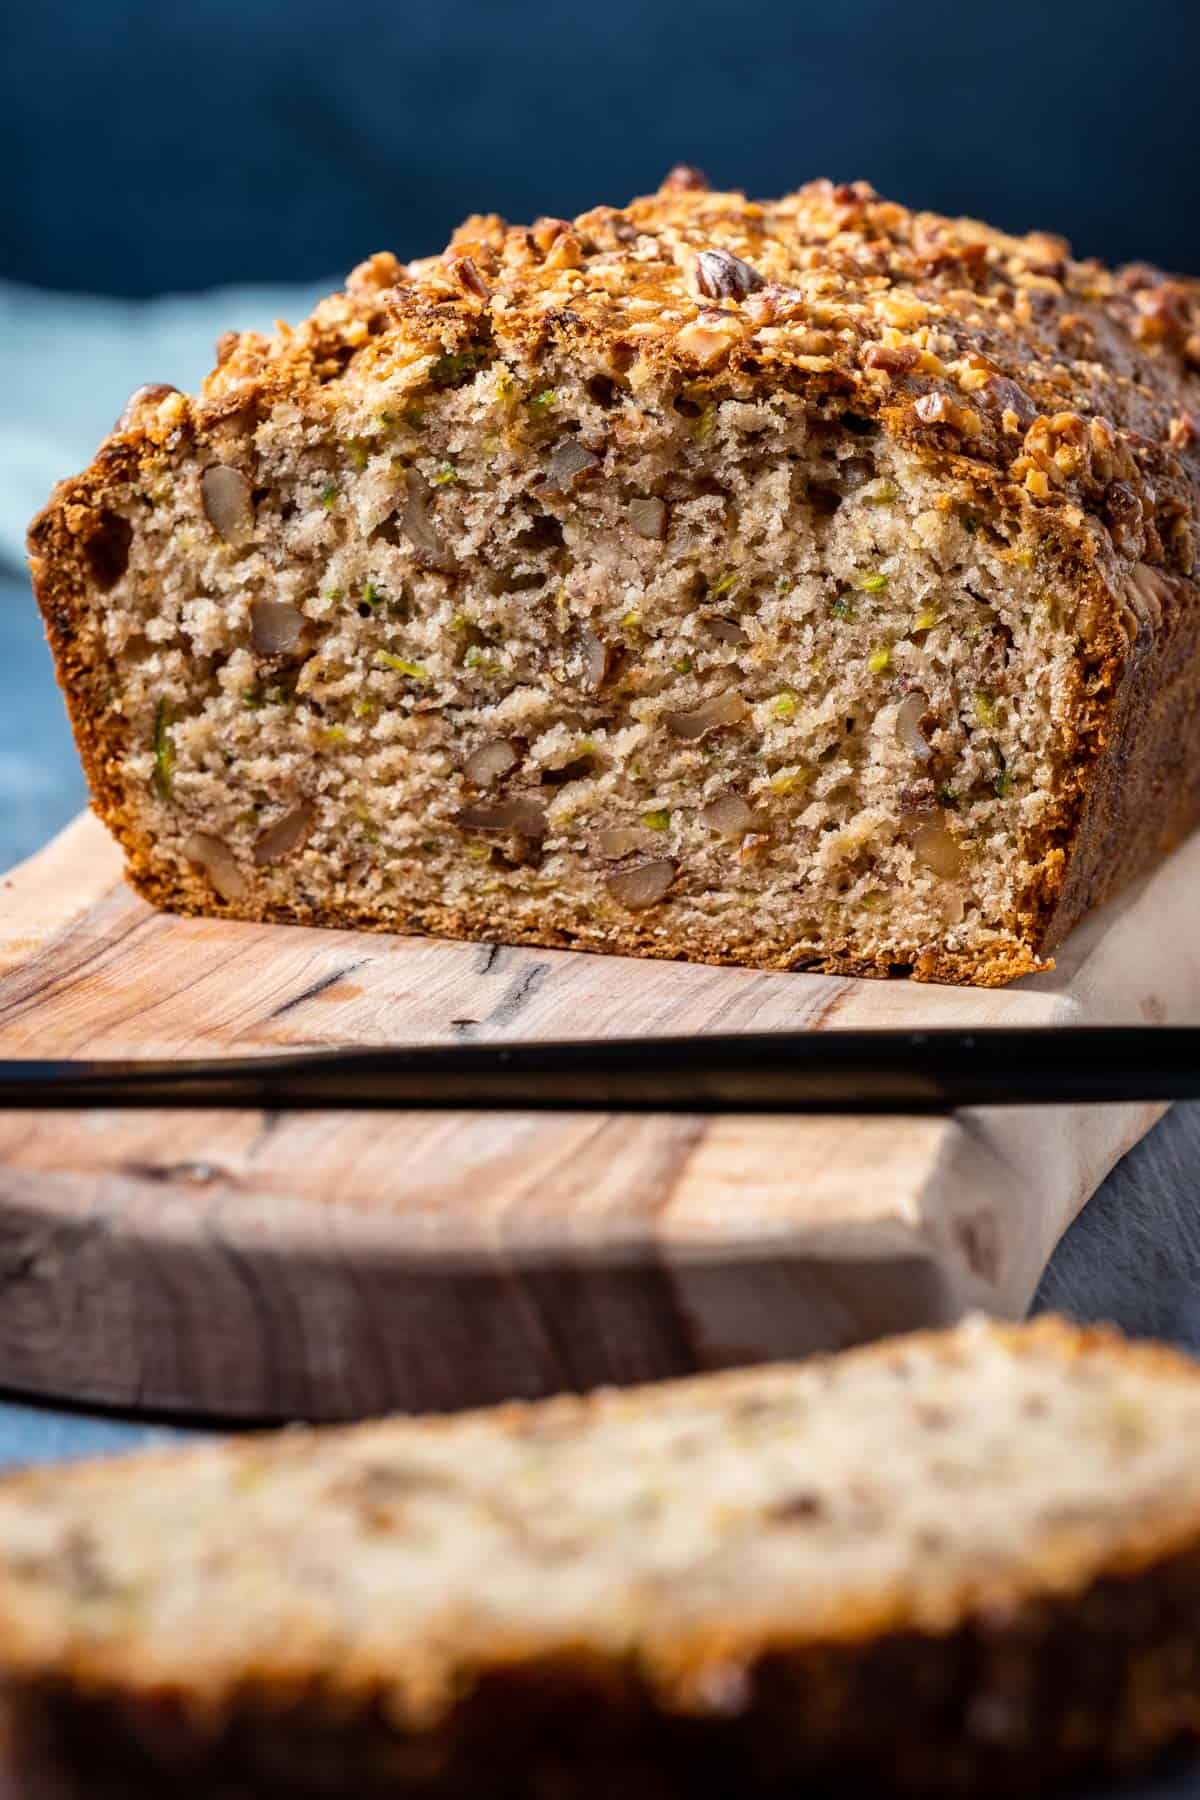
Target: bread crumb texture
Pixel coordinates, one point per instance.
(943, 1558)
(804, 583)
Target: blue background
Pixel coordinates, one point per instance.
(154, 144)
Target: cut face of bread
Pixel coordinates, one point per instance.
(765, 584)
(946, 1560)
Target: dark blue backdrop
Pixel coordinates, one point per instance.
(152, 144)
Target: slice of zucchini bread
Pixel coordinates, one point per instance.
(966, 1561)
(805, 583)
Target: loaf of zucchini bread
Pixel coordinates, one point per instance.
(966, 1561)
(798, 583)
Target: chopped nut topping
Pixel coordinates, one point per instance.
(684, 179)
(545, 233)
(940, 409)
(143, 400)
(709, 338)
(722, 276)
(466, 272)
(1008, 397)
(894, 360)
(376, 275)
(854, 287)
(1183, 430)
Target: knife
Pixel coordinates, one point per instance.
(889, 1071)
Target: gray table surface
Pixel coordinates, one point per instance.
(1133, 1256)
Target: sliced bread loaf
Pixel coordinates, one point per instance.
(795, 583)
(968, 1559)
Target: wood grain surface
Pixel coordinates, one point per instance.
(250, 1265)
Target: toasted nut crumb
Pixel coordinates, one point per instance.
(940, 409)
(707, 339)
(1183, 430)
(1123, 515)
(545, 232)
(465, 271)
(143, 400)
(376, 275)
(893, 359)
(685, 179)
(722, 276)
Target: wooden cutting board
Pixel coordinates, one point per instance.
(254, 1265)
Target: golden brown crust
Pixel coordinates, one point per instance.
(1014, 1705)
(1057, 392)
(1085, 1662)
